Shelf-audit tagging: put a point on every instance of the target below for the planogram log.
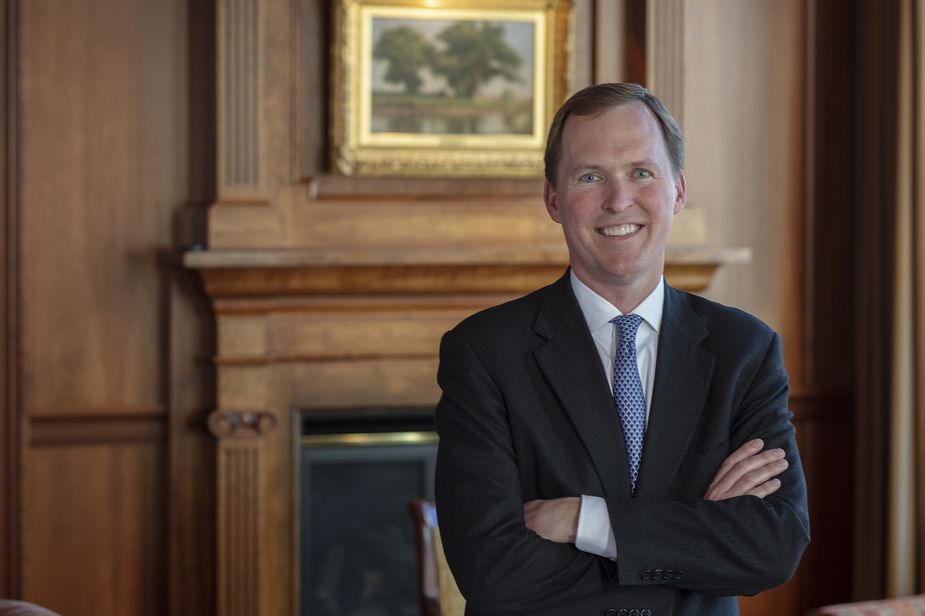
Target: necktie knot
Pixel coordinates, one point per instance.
(627, 326)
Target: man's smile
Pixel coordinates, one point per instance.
(619, 230)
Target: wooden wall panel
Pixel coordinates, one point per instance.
(93, 529)
(116, 157)
(104, 163)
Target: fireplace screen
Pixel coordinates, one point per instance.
(357, 478)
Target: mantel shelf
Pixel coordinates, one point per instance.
(543, 254)
(379, 271)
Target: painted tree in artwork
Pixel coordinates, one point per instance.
(474, 53)
(407, 51)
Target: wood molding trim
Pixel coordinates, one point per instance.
(665, 54)
(11, 409)
(109, 428)
(241, 165)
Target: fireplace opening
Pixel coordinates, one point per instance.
(358, 472)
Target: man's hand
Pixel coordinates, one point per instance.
(748, 471)
(554, 519)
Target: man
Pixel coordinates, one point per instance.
(610, 445)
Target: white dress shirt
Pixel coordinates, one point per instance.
(595, 535)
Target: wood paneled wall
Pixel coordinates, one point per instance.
(112, 139)
(109, 152)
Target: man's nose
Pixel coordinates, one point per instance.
(616, 197)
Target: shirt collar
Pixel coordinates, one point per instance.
(599, 312)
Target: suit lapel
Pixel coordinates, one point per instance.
(569, 360)
(682, 379)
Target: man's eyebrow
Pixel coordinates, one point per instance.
(580, 165)
(645, 162)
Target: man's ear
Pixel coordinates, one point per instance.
(549, 197)
(680, 199)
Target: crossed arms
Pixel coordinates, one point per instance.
(748, 471)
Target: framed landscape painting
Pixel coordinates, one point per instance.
(446, 87)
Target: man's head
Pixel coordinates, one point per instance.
(596, 98)
(614, 183)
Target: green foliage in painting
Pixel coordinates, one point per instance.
(474, 54)
(407, 51)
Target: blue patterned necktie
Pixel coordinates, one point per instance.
(627, 392)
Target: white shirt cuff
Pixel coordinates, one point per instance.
(595, 535)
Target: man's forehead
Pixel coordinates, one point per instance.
(629, 124)
(639, 112)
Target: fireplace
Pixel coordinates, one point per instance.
(326, 333)
(358, 472)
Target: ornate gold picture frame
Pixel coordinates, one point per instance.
(446, 87)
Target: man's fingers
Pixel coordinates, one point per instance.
(751, 472)
(748, 449)
(757, 477)
(766, 489)
(748, 470)
(733, 475)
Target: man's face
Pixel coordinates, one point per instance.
(615, 197)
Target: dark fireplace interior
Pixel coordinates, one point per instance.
(358, 473)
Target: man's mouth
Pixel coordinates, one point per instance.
(619, 230)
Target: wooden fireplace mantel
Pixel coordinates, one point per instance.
(371, 270)
(330, 329)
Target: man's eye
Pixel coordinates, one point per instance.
(642, 173)
(589, 177)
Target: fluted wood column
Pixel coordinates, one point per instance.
(239, 501)
(241, 165)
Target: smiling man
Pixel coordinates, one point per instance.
(610, 445)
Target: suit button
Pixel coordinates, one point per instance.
(646, 575)
(657, 574)
(622, 613)
(634, 612)
(678, 574)
(669, 574)
(645, 612)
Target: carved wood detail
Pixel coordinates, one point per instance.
(238, 424)
(240, 126)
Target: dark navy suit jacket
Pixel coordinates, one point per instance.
(527, 413)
